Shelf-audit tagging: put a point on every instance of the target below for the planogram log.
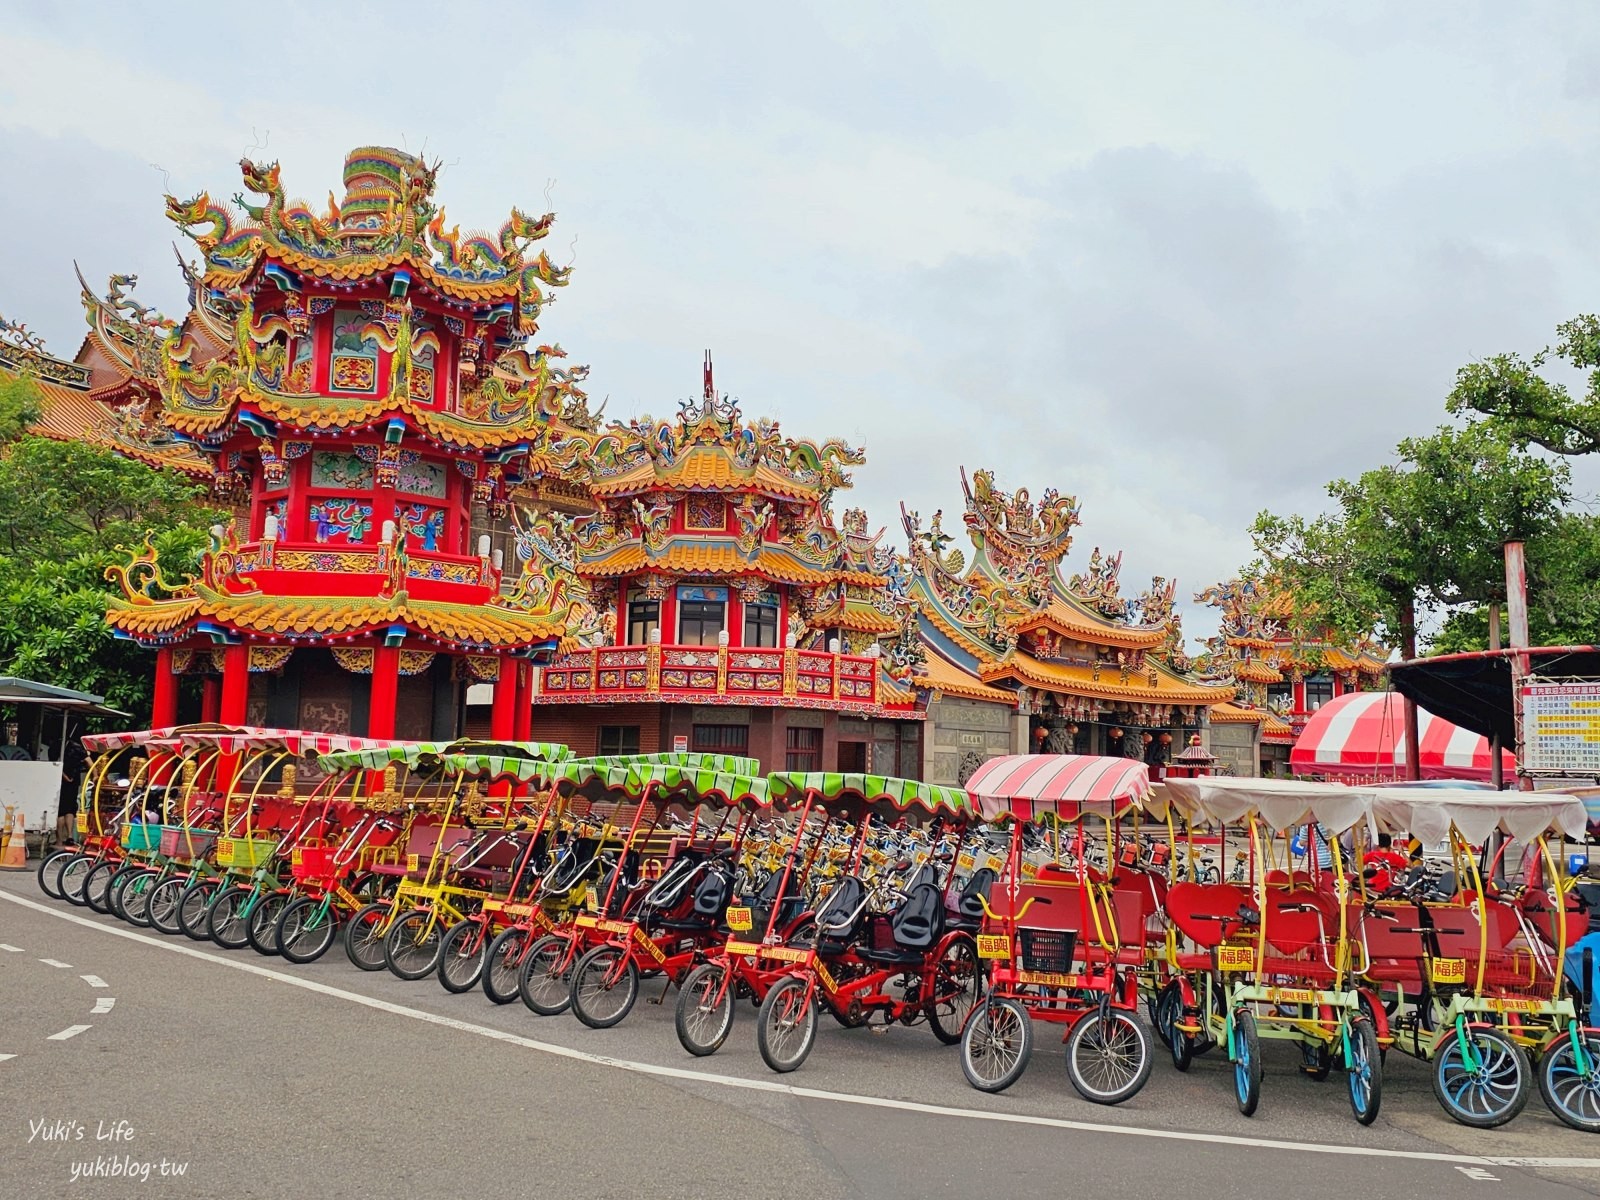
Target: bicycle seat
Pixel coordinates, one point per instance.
(915, 927)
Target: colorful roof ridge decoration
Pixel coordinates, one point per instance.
(265, 280)
(712, 498)
(1262, 640)
(95, 398)
(1009, 617)
(156, 611)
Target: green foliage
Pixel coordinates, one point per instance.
(65, 508)
(1563, 593)
(1426, 529)
(1528, 408)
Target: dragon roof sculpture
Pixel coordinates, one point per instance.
(1008, 615)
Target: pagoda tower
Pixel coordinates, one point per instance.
(735, 614)
(363, 384)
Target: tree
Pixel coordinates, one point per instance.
(1563, 592)
(1528, 408)
(65, 509)
(1427, 529)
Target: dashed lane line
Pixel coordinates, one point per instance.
(10, 950)
(71, 1031)
(94, 981)
(6, 1057)
(805, 1093)
(61, 966)
(102, 1005)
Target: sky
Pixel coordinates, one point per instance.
(1182, 261)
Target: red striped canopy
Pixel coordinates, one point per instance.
(1364, 734)
(1027, 786)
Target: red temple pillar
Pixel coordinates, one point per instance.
(385, 689)
(1338, 684)
(502, 717)
(524, 701)
(164, 709)
(234, 709)
(1299, 693)
(210, 698)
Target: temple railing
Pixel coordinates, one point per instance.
(315, 558)
(802, 678)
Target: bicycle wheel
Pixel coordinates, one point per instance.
(412, 946)
(1169, 1011)
(162, 906)
(305, 929)
(702, 1020)
(228, 917)
(1480, 1076)
(786, 1026)
(1365, 1072)
(133, 897)
(504, 958)
(194, 907)
(363, 936)
(956, 981)
(462, 956)
(605, 983)
(1108, 1056)
(262, 927)
(50, 871)
(995, 1045)
(111, 902)
(1246, 1061)
(74, 875)
(98, 884)
(1569, 1079)
(542, 983)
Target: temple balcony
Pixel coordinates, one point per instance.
(284, 568)
(778, 678)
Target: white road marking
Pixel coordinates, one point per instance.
(803, 1093)
(10, 949)
(71, 1031)
(102, 1005)
(94, 981)
(4, 1057)
(50, 962)
(1478, 1174)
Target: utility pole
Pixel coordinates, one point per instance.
(1517, 610)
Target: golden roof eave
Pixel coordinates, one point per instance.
(1063, 618)
(1081, 681)
(939, 675)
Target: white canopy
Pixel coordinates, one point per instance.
(1281, 803)
(1427, 813)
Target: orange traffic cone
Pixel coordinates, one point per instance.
(13, 842)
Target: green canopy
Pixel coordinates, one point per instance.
(522, 761)
(729, 778)
(854, 791)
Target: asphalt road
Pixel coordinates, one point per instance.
(259, 1078)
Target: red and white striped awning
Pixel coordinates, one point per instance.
(1027, 786)
(1364, 734)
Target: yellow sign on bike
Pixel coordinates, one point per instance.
(742, 949)
(1449, 970)
(739, 919)
(1047, 979)
(966, 862)
(413, 862)
(1288, 995)
(225, 852)
(1513, 1004)
(1236, 958)
(994, 945)
(83, 822)
(296, 856)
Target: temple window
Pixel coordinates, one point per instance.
(644, 618)
(1318, 692)
(619, 739)
(803, 750)
(353, 366)
(702, 615)
(761, 622)
(1280, 694)
(721, 739)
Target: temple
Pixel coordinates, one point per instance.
(738, 616)
(358, 386)
(1016, 657)
(433, 535)
(1284, 668)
